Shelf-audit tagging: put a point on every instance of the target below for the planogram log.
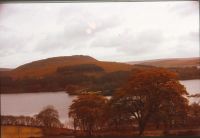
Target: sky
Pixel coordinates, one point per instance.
(109, 31)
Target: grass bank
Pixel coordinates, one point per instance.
(20, 132)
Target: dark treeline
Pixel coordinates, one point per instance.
(187, 73)
(183, 73)
(82, 78)
(20, 121)
(82, 68)
(73, 79)
(48, 118)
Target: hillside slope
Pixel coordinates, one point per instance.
(48, 66)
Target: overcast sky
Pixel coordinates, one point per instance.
(128, 31)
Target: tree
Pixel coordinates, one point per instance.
(150, 92)
(19, 120)
(194, 114)
(87, 111)
(49, 117)
(117, 117)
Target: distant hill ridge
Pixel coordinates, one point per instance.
(5, 69)
(171, 62)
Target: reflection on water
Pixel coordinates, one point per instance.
(32, 103)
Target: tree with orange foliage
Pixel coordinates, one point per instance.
(87, 112)
(150, 92)
(194, 114)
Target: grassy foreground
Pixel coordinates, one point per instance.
(34, 132)
(20, 132)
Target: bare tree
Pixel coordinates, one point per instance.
(49, 117)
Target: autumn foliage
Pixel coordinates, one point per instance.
(148, 95)
(87, 112)
(153, 92)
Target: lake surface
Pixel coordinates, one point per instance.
(32, 103)
(192, 87)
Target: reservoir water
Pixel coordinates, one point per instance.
(32, 103)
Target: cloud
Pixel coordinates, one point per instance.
(142, 43)
(11, 42)
(185, 9)
(130, 43)
(76, 33)
(121, 31)
(188, 45)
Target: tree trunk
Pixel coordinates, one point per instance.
(141, 128)
(157, 125)
(142, 124)
(90, 133)
(75, 125)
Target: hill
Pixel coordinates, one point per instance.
(5, 69)
(48, 66)
(168, 63)
(74, 74)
